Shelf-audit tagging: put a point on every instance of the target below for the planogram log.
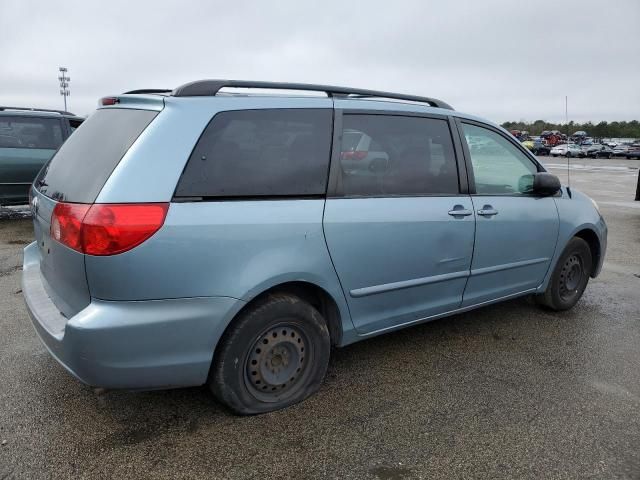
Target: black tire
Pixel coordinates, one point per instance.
(275, 354)
(570, 277)
(609, 156)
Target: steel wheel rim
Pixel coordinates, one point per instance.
(278, 362)
(571, 277)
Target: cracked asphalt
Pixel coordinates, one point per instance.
(507, 391)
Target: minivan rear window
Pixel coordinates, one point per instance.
(79, 170)
(260, 153)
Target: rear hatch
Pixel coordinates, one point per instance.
(75, 175)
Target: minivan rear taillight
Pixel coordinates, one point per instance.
(106, 228)
(354, 155)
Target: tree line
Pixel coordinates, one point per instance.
(599, 130)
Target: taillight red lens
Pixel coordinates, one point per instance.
(354, 155)
(106, 229)
(109, 229)
(66, 224)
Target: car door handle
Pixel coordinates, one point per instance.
(460, 213)
(487, 211)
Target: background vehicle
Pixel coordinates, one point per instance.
(621, 150)
(553, 137)
(218, 239)
(361, 155)
(537, 147)
(28, 139)
(567, 150)
(578, 137)
(633, 151)
(598, 151)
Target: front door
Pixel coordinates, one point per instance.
(516, 232)
(399, 231)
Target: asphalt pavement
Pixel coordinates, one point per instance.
(507, 391)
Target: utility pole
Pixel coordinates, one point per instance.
(64, 85)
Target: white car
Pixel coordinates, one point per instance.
(361, 154)
(567, 150)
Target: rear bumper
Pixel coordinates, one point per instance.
(132, 345)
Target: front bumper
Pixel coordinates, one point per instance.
(603, 232)
(133, 345)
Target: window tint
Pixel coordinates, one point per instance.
(498, 166)
(396, 155)
(282, 152)
(78, 171)
(26, 132)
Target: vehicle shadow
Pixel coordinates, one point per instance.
(512, 323)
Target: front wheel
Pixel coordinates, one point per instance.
(275, 354)
(570, 277)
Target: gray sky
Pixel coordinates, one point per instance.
(504, 60)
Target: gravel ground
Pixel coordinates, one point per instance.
(507, 391)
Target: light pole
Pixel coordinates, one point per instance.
(64, 85)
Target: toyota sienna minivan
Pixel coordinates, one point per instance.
(212, 234)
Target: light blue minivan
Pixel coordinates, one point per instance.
(212, 234)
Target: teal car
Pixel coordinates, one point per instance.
(28, 139)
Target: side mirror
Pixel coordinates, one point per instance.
(545, 184)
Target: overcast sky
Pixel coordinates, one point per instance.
(504, 60)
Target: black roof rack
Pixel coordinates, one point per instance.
(27, 109)
(212, 87)
(148, 90)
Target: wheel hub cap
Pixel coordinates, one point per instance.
(570, 276)
(276, 360)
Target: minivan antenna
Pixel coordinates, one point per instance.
(566, 117)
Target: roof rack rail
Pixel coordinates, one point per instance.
(148, 90)
(212, 87)
(28, 109)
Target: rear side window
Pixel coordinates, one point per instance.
(255, 153)
(26, 132)
(85, 161)
(388, 155)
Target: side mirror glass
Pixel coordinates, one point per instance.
(546, 184)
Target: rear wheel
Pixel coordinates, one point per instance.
(570, 277)
(275, 354)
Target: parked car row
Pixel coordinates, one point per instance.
(595, 150)
(578, 145)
